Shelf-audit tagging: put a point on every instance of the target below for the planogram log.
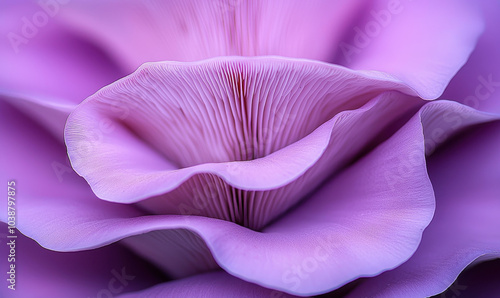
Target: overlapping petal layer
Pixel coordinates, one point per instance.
(423, 43)
(480, 280)
(214, 135)
(40, 58)
(383, 35)
(46, 180)
(114, 221)
(214, 284)
(360, 223)
(477, 84)
(465, 175)
(370, 205)
(196, 29)
(105, 272)
(50, 113)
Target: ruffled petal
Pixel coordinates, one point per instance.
(46, 179)
(379, 35)
(214, 284)
(479, 280)
(50, 113)
(465, 175)
(208, 132)
(423, 43)
(39, 272)
(308, 251)
(477, 84)
(180, 30)
(41, 58)
(358, 224)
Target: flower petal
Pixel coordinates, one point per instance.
(46, 70)
(291, 242)
(46, 180)
(41, 58)
(358, 224)
(43, 273)
(375, 221)
(180, 30)
(477, 84)
(480, 280)
(51, 113)
(45, 177)
(210, 131)
(423, 43)
(465, 175)
(214, 284)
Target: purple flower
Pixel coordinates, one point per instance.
(249, 148)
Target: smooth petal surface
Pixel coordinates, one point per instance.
(300, 272)
(180, 30)
(225, 126)
(465, 175)
(382, 35)
(103, 272)
(46, 180)
(46, 177)
(39, 57)
(423, 43)
(358, 224)
(305, 252)
(272, 258)
(477, 84)
(214, 284)
(179, 252)
(50, 113)
(479, 280)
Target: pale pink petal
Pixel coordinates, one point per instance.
(266, 257)
(46, 179)
(423, 43)
(152, 30)
(40, 57)
(477, 84)
(213, 130)
(47, 70)
(42, 273)
(374, 222)
(465, 175)
(50, 113)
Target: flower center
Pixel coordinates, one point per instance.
(214, 138)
